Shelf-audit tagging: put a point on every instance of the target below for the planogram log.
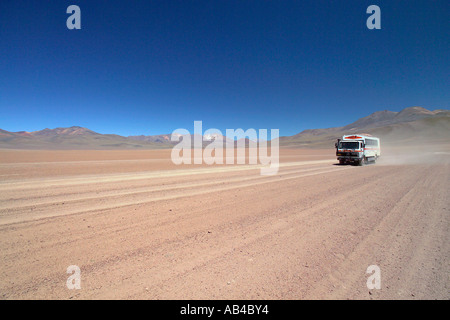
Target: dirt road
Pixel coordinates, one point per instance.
(139, 227)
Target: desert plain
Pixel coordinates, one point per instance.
(140, 227)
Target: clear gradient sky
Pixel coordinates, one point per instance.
(149, 67)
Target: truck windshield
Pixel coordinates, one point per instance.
(349, 145)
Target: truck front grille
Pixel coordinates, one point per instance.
(348, 154)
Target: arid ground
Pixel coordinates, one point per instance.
(140, 227)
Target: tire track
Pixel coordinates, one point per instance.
(35, 196)
(22, 213)
(92, 179)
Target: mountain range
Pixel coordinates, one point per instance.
(72, 138)
(413, 123)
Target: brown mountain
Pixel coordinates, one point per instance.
(414, 123)
(71, 138)
(72, 131)
(161, 138)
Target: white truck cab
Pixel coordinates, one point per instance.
(358, 149)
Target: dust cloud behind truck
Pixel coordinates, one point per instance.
(358, 149)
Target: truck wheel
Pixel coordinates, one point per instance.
(361, 162)
(341, 161)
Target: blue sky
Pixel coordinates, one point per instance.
(149, 67)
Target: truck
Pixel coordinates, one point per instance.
(358, 149)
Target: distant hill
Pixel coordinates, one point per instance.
(72, 138)
(162, 138)
(414, 123)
